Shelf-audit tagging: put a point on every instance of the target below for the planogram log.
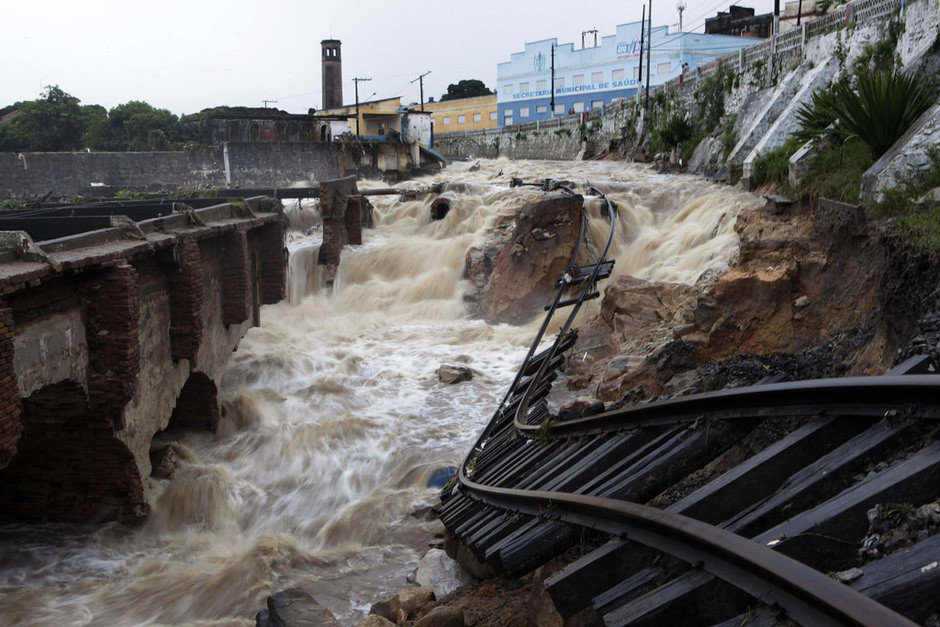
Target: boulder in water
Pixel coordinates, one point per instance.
(294, 608)
(163, 462)
(454, 374)
(528, 265)
(440, 574)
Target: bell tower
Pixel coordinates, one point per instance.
(332, 73)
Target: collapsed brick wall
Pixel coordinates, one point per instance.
(69, 465)
(352, 221)
(112, 313)
(334, 201)
(10, 425)
(236, 289)
(65, 452)
(270, 241)
(186, 298)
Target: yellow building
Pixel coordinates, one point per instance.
(376, 117)
(465, 114)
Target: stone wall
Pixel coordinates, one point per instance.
(10, 426)
(255, 164)
(908, 160)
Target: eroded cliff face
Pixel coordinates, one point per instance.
(812, 293)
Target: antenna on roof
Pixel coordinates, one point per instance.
(680, 6)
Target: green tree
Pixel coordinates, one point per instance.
(96, 124)
(467, 88)
(136, 125)
(53, 122)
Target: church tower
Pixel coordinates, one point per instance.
(332, 71)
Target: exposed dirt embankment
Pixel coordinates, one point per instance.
(813, 293)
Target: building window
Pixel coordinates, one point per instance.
(493, 116)
(280, 132)
(461, 119)
(560, 109)
(541, 85)
(578, 79)
(254, 133)
(541, 109)
(523, 87)
(507, 113)
(664, 68)
(636, 72)
(559, 82)
(507, 120)
(507, 90)
(524, 112)
(597, 77)
(578, 107)
(616, 75)
(597, 104)
(446, 120)
(477, 117)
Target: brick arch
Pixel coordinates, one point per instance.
(197, 406)
(70, 466)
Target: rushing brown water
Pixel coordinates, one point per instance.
(335, 419)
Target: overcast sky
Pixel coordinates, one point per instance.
(186, 55)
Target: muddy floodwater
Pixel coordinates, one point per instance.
(335, 418)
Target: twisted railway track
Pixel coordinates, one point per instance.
(719, 508)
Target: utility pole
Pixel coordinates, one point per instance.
(553, 81)
(267, 101)
(799, 12)
(642, 34)
(420, 80)
(681, 7)
(357, 81)
(649, 55)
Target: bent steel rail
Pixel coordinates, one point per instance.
(808, 596)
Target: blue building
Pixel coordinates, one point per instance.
(594, 77)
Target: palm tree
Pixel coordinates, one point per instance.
(881, 109)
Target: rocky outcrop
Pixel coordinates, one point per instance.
(801, 278)
(517, 275)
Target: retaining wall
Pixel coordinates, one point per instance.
(249, 164)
